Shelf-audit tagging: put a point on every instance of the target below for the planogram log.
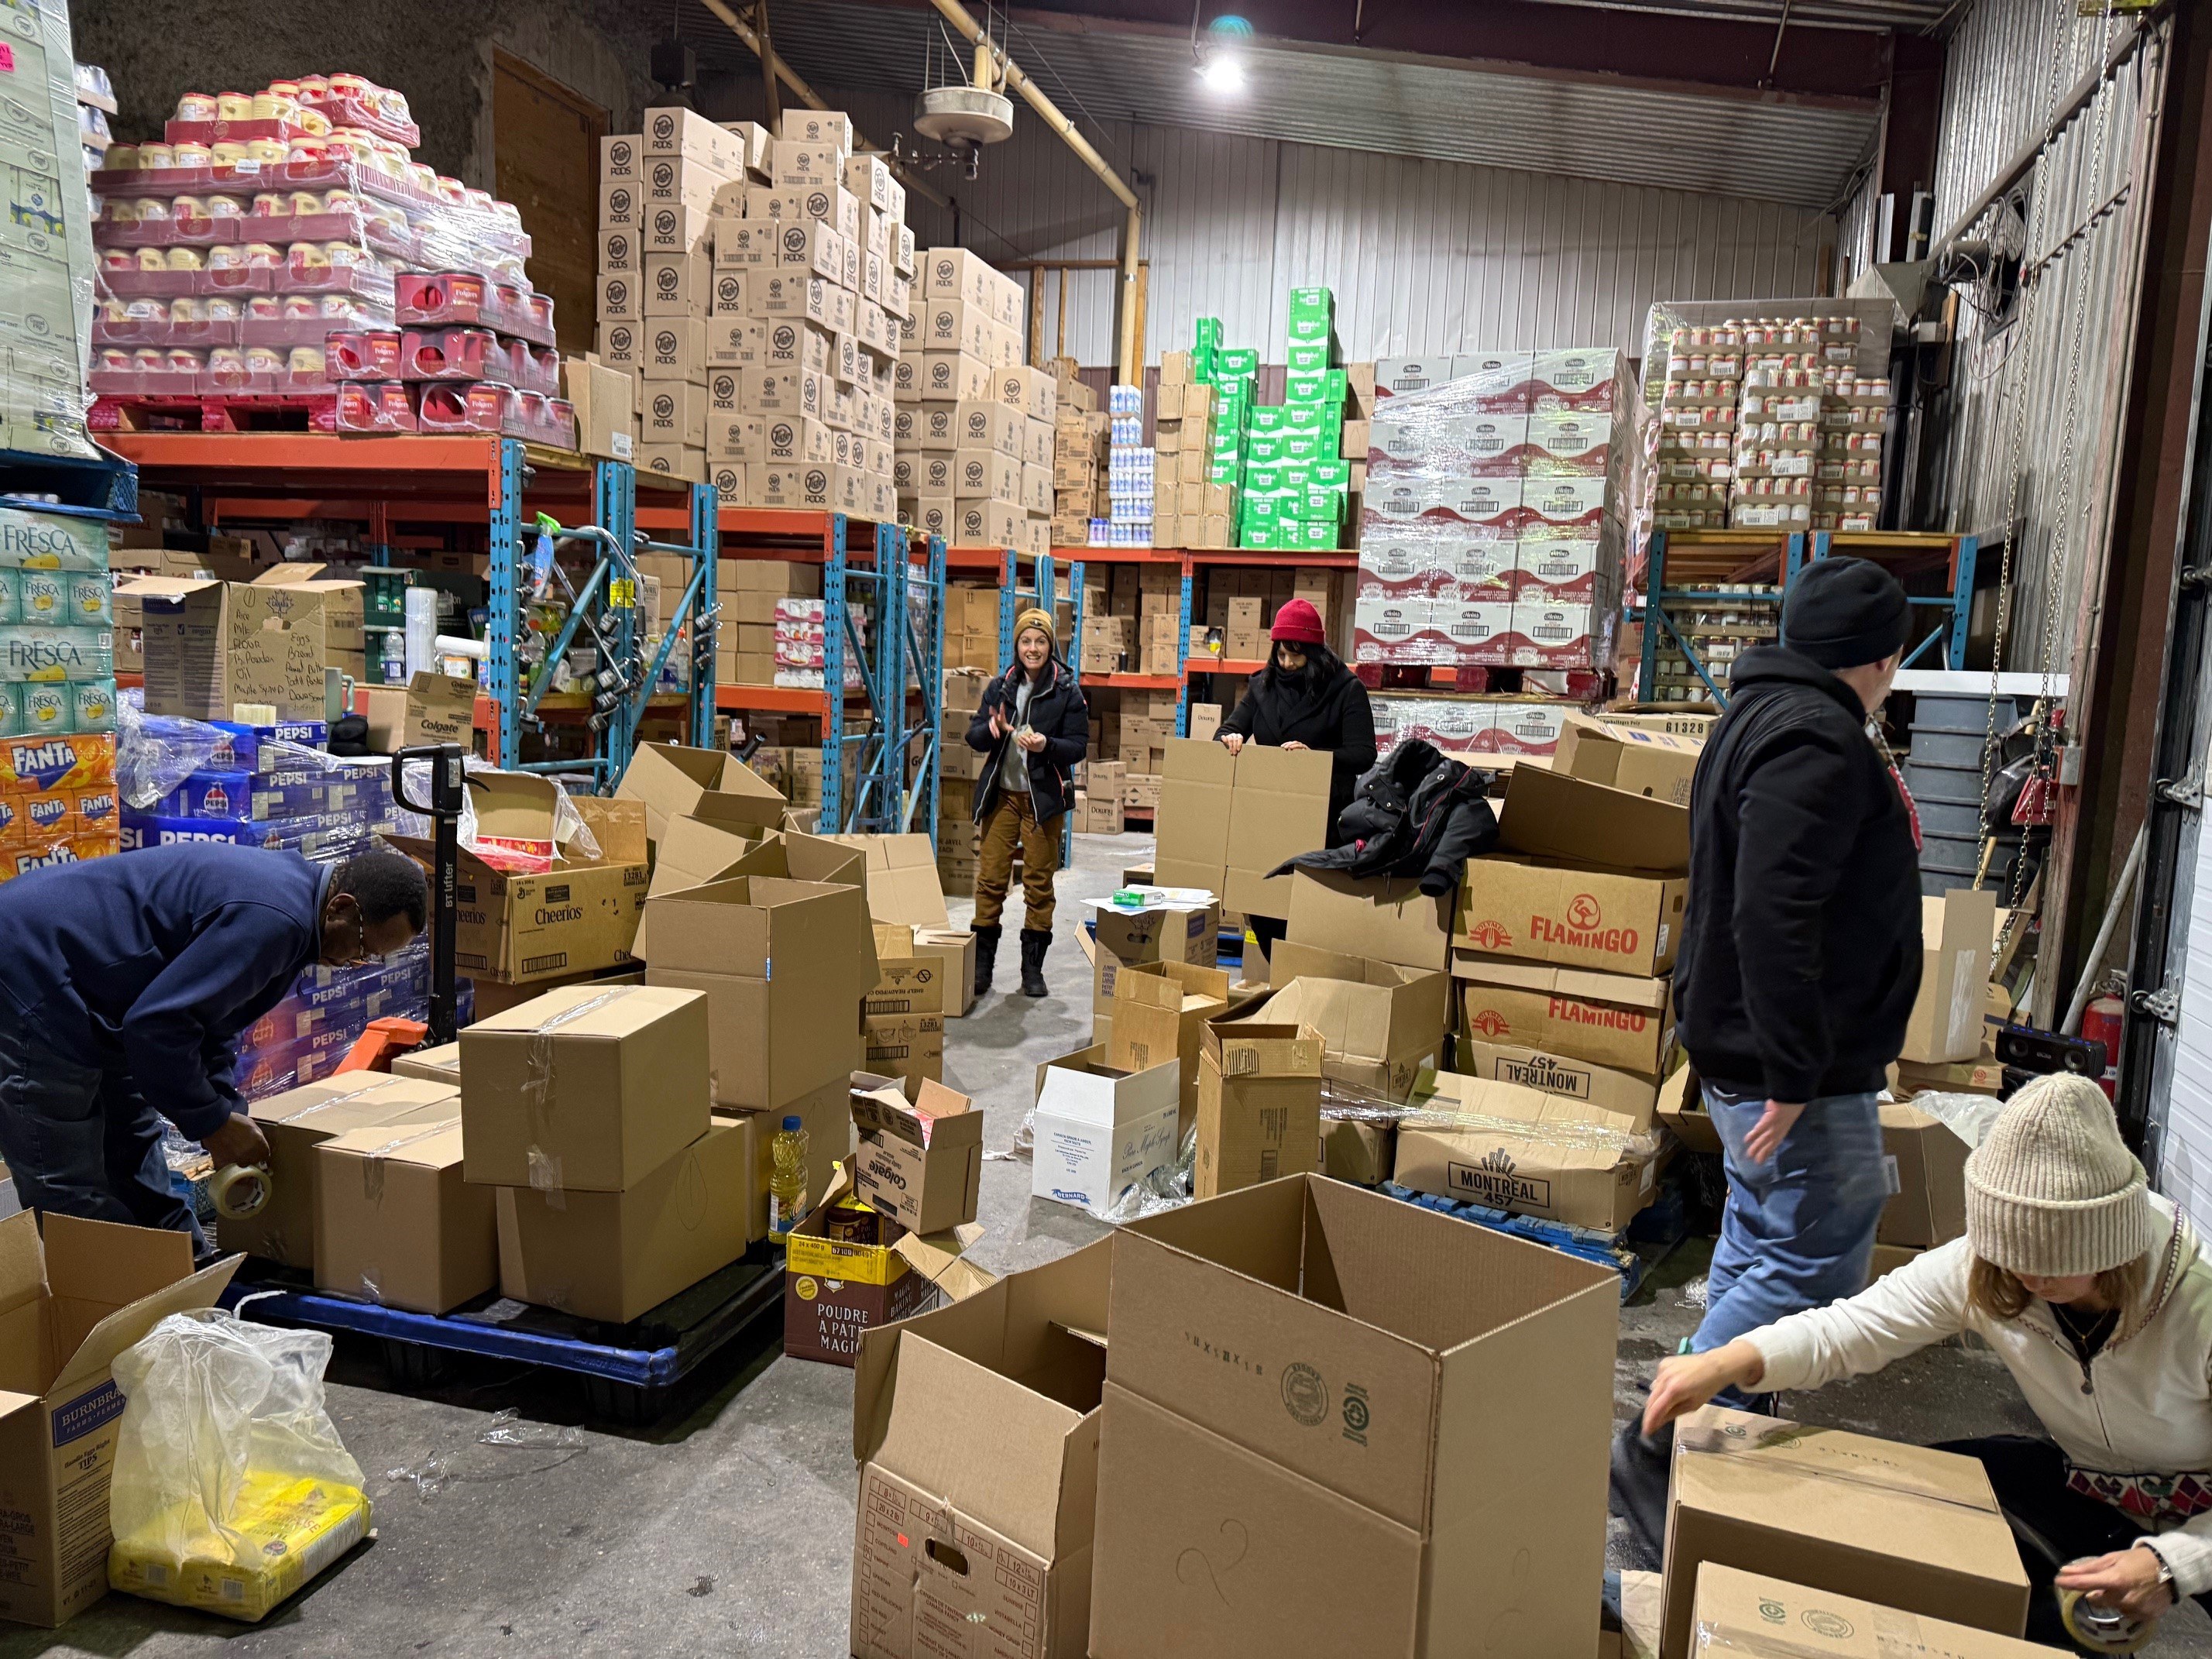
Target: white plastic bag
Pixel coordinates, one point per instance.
(231, 1488)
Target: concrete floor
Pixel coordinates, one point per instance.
(728, 1528)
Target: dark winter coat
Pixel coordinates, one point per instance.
(1800, 947)
(155, 961)
(1336, 717)
(1419, 814)
(1056, 709)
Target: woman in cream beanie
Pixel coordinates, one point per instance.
(2090, 1287)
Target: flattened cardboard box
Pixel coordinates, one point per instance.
(1752, 1616)
(1529, 1153)
(921, 1161)
(74, 1302)
(1300, 1369)
(976, 1428)
(1612, 1019)
(585, 1090)
(1624, 1093)
(1920, 1528)
(1957, 936)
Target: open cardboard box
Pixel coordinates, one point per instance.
(903, 883)
(921, 1161)
(1383, 1428)
(1159, 1010)
(69, 1305)
(976, 1431)
(669, 779)
(1656, 763)
(1259, 1101)
(849, 1269)
(1101, 1130)
(1380, 1023)
(1588, 876)
(569, 915)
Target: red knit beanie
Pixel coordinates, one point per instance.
(1298, 623)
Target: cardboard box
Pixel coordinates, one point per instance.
(954, 951)
(977, 1430)
(1929, 1161)
(615, 1256)
(1958, 934)
(902, 879)
(779, 964)
(396, 1222)
(1752, 1616)
(605, 403)
(300, 1119)
(1259, 1103)
(669, 779)
(1656, 763)
(1354, 1150)
(848, 1270)
(74, 1301)
(1549, 1156)
(921, 1161)
(1624, 1093)
(1597, 883)
(1160, 1009)
(1682, 1109)
(1390, 920)
(209, 645)
(1380, 1022)
(1225, 820)
(1300, 1392)
(1615, 1019)
(584, 1090)
(1174, 925)
(910, 1047)
(1101, 1131)
(520, 921)
(1839, 1512)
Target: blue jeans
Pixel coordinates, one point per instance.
(1798, 1232)
(81, 1139)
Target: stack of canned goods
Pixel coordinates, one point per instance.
(1720, 630)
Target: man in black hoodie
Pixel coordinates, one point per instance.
(1799, 963)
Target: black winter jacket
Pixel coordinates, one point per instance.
(1056, 709)
(1419, 814)
(1339, 719)
(1800, 947)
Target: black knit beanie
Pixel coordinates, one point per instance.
(1844, 612)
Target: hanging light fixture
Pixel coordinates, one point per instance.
(1217, 56)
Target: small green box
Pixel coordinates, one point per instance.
(1306, 390)
(1306, 359)
(1269, 417)
(1316, 301)
(1262, 477)
(1258, 536)
(1311, 332)
(1318, 534)
(1304, 445)
(1255, 507)
(1265, 447)
(1243, 363)
(1223, 469)
(1331, 472)
(1206, 334)
(1325, 420)
(1323, 504)
(1296, 476)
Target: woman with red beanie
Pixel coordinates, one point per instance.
(1305, 698)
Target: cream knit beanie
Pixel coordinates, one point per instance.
(2052, 1191)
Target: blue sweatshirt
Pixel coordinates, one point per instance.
(156, 960)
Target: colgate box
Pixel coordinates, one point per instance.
(1589, 877)
(1614, 1020)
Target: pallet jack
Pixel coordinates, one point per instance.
(384, 1040)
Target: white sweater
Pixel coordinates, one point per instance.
(2143, 1406)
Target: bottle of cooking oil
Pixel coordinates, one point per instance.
(787, 1182)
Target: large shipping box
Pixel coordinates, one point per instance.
(1917, 1528)
(1225, 820)
(1929, 1203)
(1743, 1615)
(1101, 1130)
(74, 1301)
(976, 1431)
(1259, 1102)
(1380, 1023)
(396, 1222)
(1617, 1020)
(1529, 1152)
(1334, 1423)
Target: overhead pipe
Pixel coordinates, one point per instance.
(774, 60)
(991, 61)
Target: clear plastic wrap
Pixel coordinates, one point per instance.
(1967, 1116)
(231, 1488)
(507, 1431)
(287, 245)
(44, 335)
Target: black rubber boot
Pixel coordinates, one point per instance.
(1035, 942)
(1640, 1468)
(987, 955)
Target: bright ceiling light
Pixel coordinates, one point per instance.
(1223, 73)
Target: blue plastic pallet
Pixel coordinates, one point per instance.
(1605, 1249)
(654, 1352)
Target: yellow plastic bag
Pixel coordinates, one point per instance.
(231, 1488)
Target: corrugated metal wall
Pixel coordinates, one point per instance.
(2037, 391)
(1423, 255)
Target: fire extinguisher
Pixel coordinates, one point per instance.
(2100, 1022)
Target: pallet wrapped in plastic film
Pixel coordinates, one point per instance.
(231, 1487)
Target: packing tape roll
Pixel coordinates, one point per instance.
(2103, 1630)
(242, 1190)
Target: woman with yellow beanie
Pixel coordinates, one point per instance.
(2092, 1290)
(1033, 724)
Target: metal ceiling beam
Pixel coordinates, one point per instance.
(1712, 56)
(773, 62)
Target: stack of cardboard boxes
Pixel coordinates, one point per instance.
(971, 627)
(52, 267)
(960, 769)
(1241, 606)
(1188, 508)
(1133, 734)
(749, 591)
(207, 644)
(972, 425)
(1081, 449)
(1138, 628)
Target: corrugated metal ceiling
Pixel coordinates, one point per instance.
(1794, 153)
(1909, 15)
